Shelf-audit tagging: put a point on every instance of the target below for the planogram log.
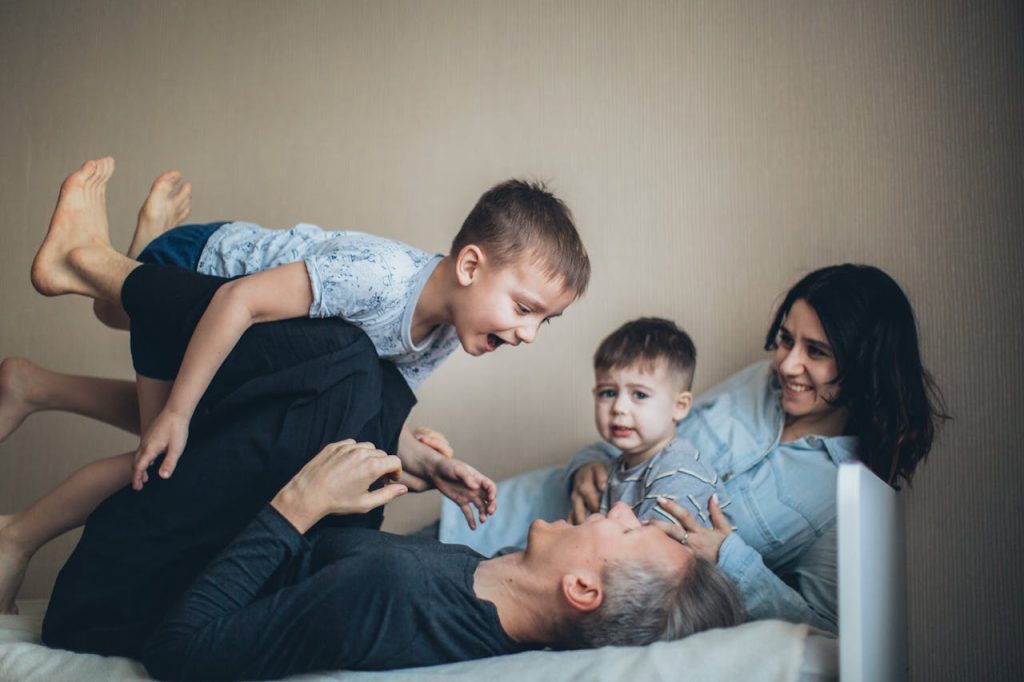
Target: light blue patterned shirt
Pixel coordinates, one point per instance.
(677, 473)
(372, 282)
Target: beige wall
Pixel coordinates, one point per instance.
(712, 151)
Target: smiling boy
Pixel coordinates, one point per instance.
(516, 262)
(644, 371)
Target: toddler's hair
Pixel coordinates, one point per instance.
(646, 341)
(517, 219)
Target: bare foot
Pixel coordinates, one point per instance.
(13, 562)
(79, 220)
(167, 206)
(15, 405)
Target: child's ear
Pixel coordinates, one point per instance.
(684, 401)
(583, 593)
(467, 263)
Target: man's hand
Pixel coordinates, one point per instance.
(466, 487)
(337, 481)
(167, 434)
(587, 487)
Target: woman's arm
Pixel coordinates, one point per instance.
(815, 601)
(277, 294)
(765, 595)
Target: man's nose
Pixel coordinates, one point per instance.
(621, 513)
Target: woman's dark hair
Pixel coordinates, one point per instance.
(892, 403)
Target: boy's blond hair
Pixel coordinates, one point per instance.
(517, 219)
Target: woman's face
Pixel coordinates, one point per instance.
(806, 365)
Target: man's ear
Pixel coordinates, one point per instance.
(467, 264)
(583, 593)
(684, 401)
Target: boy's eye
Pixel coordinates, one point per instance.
(522, 309)
(606, 393)
(640, 395)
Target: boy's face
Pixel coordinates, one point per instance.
(506, 305)
(636, 408)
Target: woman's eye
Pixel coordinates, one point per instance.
(785, 340)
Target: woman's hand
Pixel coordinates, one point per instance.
(705, 542)
(587, 487)
(167, 434)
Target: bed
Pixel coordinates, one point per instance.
(871, 615)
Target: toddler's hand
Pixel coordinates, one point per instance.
(587, 487)
(466, 487)
(167, 434)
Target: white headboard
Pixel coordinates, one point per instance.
(872, 579)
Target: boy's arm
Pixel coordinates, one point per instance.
(427, 457)
(276, 294)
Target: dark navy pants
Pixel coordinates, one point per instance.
(287, 389)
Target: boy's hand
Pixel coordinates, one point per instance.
(588, 484)
(466, 487)
(433, 439)
(167, 434)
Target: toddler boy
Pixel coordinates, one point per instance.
(644, 372)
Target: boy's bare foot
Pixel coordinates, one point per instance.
(13, 562)
(79, 220)
(15, 404)
(168, 205)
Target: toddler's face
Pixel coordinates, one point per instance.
(636, 408)
(507, 305)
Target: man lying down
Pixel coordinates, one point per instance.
(278, 602)
(156, 574)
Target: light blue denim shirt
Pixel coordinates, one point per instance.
(782, 555)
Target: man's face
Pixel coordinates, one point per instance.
(600, 539)
(507, 305)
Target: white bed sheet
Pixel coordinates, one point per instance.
(765, 650)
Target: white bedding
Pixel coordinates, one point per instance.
(765, 650)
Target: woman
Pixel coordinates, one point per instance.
(844, 383)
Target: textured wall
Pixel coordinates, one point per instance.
(712, 151)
